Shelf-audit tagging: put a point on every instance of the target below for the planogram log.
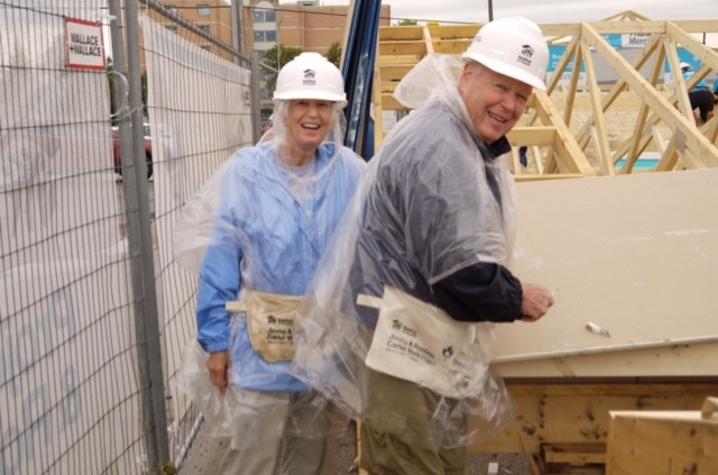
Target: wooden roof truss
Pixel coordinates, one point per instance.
(557, 146)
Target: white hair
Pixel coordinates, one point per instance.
(281, 114)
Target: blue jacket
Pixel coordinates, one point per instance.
(266, 241)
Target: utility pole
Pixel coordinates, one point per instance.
(491, 10)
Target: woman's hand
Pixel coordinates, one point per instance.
(218, 364)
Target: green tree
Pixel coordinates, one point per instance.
(276, 57)
(334, 55)
(407, 22)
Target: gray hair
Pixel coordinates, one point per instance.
(281, 113)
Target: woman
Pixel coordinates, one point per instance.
(278, 205)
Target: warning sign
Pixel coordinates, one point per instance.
(84, 46)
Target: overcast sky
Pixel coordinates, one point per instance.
(546, 11)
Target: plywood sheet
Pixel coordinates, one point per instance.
(635, 255)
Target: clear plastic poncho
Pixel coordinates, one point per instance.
(370, 325)
(254, 234)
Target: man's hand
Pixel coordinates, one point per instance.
(536, 302)
(218, 364)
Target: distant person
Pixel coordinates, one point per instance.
(701, 98)
(264, 228)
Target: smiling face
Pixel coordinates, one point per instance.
(495, 102)
(308, 123)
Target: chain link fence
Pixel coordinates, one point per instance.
(94, 312)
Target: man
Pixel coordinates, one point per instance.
(429, 238)
(701, 99)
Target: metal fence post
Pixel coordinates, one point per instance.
(238, 25)
(149, 353)
(256, 116)
(238, 40)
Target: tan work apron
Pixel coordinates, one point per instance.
(421, 343)
(270, 323)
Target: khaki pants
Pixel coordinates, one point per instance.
(286, 455)
(397, 436)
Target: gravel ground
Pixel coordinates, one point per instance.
(206, 452)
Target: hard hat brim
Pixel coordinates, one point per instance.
(507, 70)
(316, 95)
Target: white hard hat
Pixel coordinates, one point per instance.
(310, 76)
(685, 66)
(514, 47)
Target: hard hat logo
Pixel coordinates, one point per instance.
(526, 53)
(309, 78)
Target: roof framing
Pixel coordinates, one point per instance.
(558, 145)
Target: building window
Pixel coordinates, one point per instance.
(205, 47)
(264, 16)
(172, 28)
(265, 36)
(204, 29)
(203, 10)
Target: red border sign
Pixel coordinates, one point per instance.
(68, 40)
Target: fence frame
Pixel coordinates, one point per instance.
(139, 226)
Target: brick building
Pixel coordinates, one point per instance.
(306, 25)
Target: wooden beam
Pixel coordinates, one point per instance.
(651, 442)
(545, 135)
(562, 65)
(700, 51)
(389, 86)
(548, 176)
(427, 40)
(701, 150)
(636, 148)
(570, 157)
(669, 158)
(658, 138)
(402, 47)
(681, 92)
(536, 153)
(579, 413)
(389, 33)
(389, 103)
(574, 454)
(399, 59)
(616, 90)
(636, 26)
(452, 32)
(602, 144)
(451, 46)
(514, 164)
(395, 72)
(568, 111)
